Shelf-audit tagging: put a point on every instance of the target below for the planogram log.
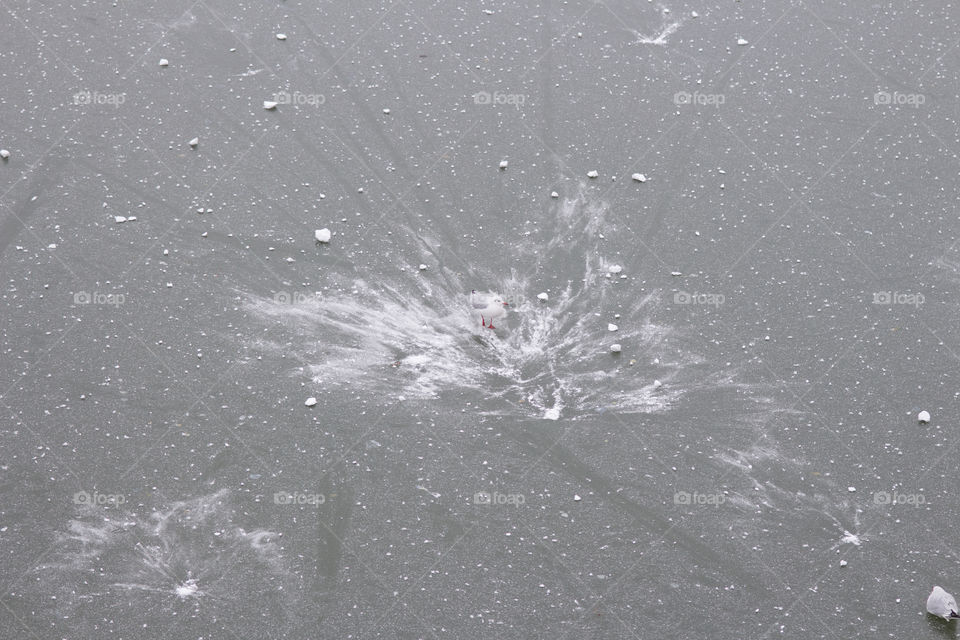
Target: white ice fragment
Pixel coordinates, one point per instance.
(386, 111)
(52, 245)
(166, 252)
(657, 384)
(843, 563)
(742, 42)
(577, 498)
(311, 401)
(852, 489)
(615, 348)
(119, 219)
(923, 417)
(194, 142)
(4, 154)
(423, 267)
(612, 327)
(615, 268)
(281, 36)
(489, 12)
(163, 62)
(694, 14)
(542, 297)
(675, 273)
(554, 194)
(269, 105)
(553, 413)
(503, 164)
(592, 174)
(322, 235)
(639, 177)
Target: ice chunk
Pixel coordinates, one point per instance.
(423, 267)
(554, 194)
(923, 417)
(281, 36)
(542, 297)
(119, 219)
(612, 327)
(322, 235)
(592, 174)
(657, 384)
(269, 105)
(615, 348)
(742, 42)
(503, 164)
(194, 142)
(163, 62)
(310, 402)
(553, 413)
(386, 111)
(639, 177)
(4, 154)
(615, 268)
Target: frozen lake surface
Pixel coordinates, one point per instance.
(217, 422)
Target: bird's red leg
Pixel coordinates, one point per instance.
(482, 321)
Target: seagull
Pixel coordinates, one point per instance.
(940, 603)
(489, 305)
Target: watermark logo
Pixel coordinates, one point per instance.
(706, 299)
(111, 299)
(897, 297)
(297, 297)
(297, 498)
(297, 98)
(684, 98)
(497, 498)
(894, 498)
(98, 499)
(516, 100)
(100, 99)
(698, 499)
(899, 99)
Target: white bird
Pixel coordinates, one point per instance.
(940, 603)
(490, 306)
